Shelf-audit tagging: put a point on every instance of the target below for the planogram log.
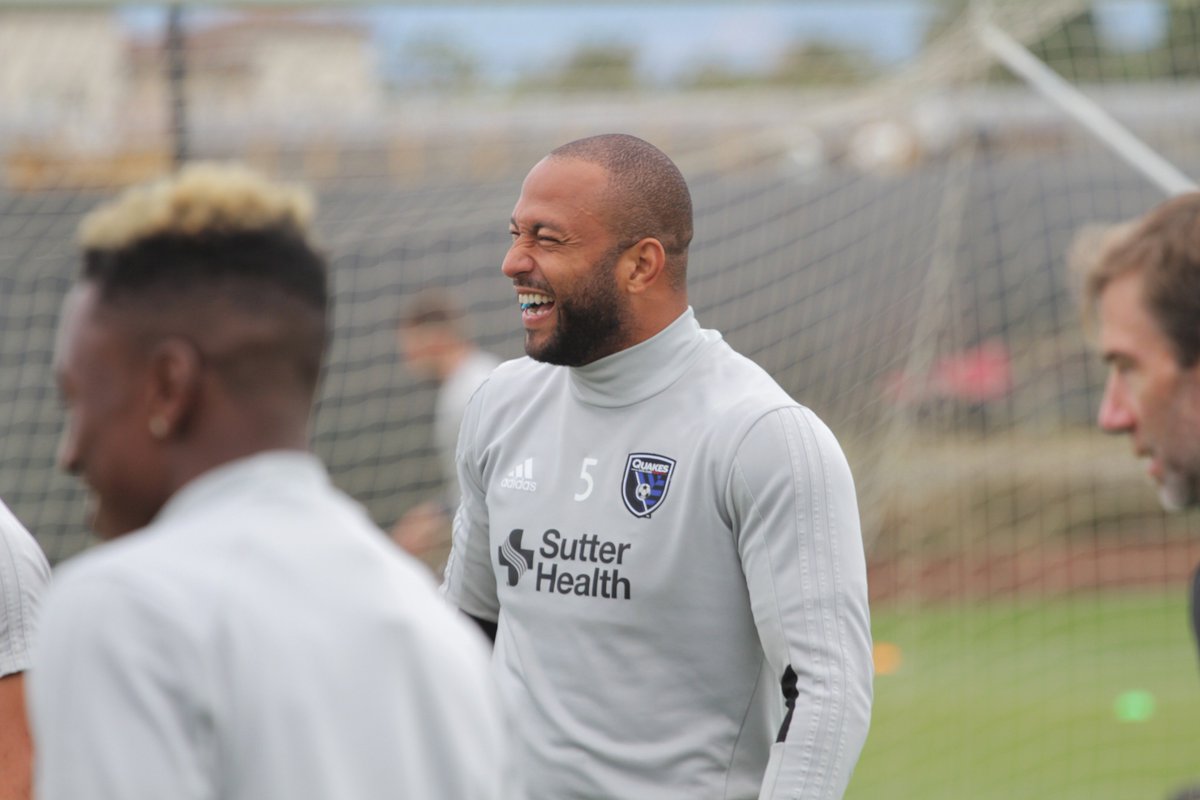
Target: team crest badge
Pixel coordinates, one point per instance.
(647, 479)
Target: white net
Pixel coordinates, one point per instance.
(891, 249)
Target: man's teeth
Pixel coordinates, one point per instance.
(528, 300)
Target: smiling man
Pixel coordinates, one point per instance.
(663, 544)
(247, 632)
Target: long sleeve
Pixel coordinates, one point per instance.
(112, 699)
(24, 575)
(470, 581)
(793, 506)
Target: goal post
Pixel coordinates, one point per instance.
(1089, 114)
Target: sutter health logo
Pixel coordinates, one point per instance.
(556, 563)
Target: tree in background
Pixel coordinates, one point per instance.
(438, 64)
(712, 73)
(1074, 50)
(1077, 49)
(818, 63)
(940, 22)
(1179, 55)
(592, 66)
(802, 63)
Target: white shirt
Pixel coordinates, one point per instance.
(671, 548)
(260, 639)
(452, 398)
(24, 575)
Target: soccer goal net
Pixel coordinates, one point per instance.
(887, 237)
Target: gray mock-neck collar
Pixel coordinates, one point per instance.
(642, 371)
(295, 467)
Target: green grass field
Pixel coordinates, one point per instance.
(1035, 699)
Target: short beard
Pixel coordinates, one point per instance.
(591, 325)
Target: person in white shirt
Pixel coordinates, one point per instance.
(434, 344)
(664, 545)
(247, 632)
(24, 575)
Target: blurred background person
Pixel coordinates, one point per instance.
(24, 575)
(1141, 289)
(434, 344)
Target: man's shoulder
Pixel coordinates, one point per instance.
(518, 368)
(738, 395)
(739, 383)
(515, 379)
(24, 554)
(113, 585)
(24, 576)
(130, 560)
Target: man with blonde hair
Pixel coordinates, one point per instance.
(248, 633)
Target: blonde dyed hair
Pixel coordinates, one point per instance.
(202, 198)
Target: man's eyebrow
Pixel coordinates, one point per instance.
(1115, 356)
(535, 227)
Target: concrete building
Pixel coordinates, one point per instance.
(61, 79)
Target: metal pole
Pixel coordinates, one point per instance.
(1086, 112)
(176, 58)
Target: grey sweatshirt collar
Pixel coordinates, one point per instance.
(642, 371)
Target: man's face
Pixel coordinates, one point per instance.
(1148, 394)
(563, 264)
(107, 442)
(418, 347)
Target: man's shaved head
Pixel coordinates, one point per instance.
(647, 195)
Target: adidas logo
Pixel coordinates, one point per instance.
(520, 477)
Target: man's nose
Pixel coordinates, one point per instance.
(1115, 415)
(516, 261)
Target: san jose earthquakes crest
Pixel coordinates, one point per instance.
(647, 479)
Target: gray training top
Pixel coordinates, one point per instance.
(259, 640)
(671, 547)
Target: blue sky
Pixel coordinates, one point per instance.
(511, 38)
(667, 37)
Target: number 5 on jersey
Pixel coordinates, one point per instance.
(588, 482)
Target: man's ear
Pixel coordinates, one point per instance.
(173, 385)
(645, 263)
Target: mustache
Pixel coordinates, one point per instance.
(539, 286)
